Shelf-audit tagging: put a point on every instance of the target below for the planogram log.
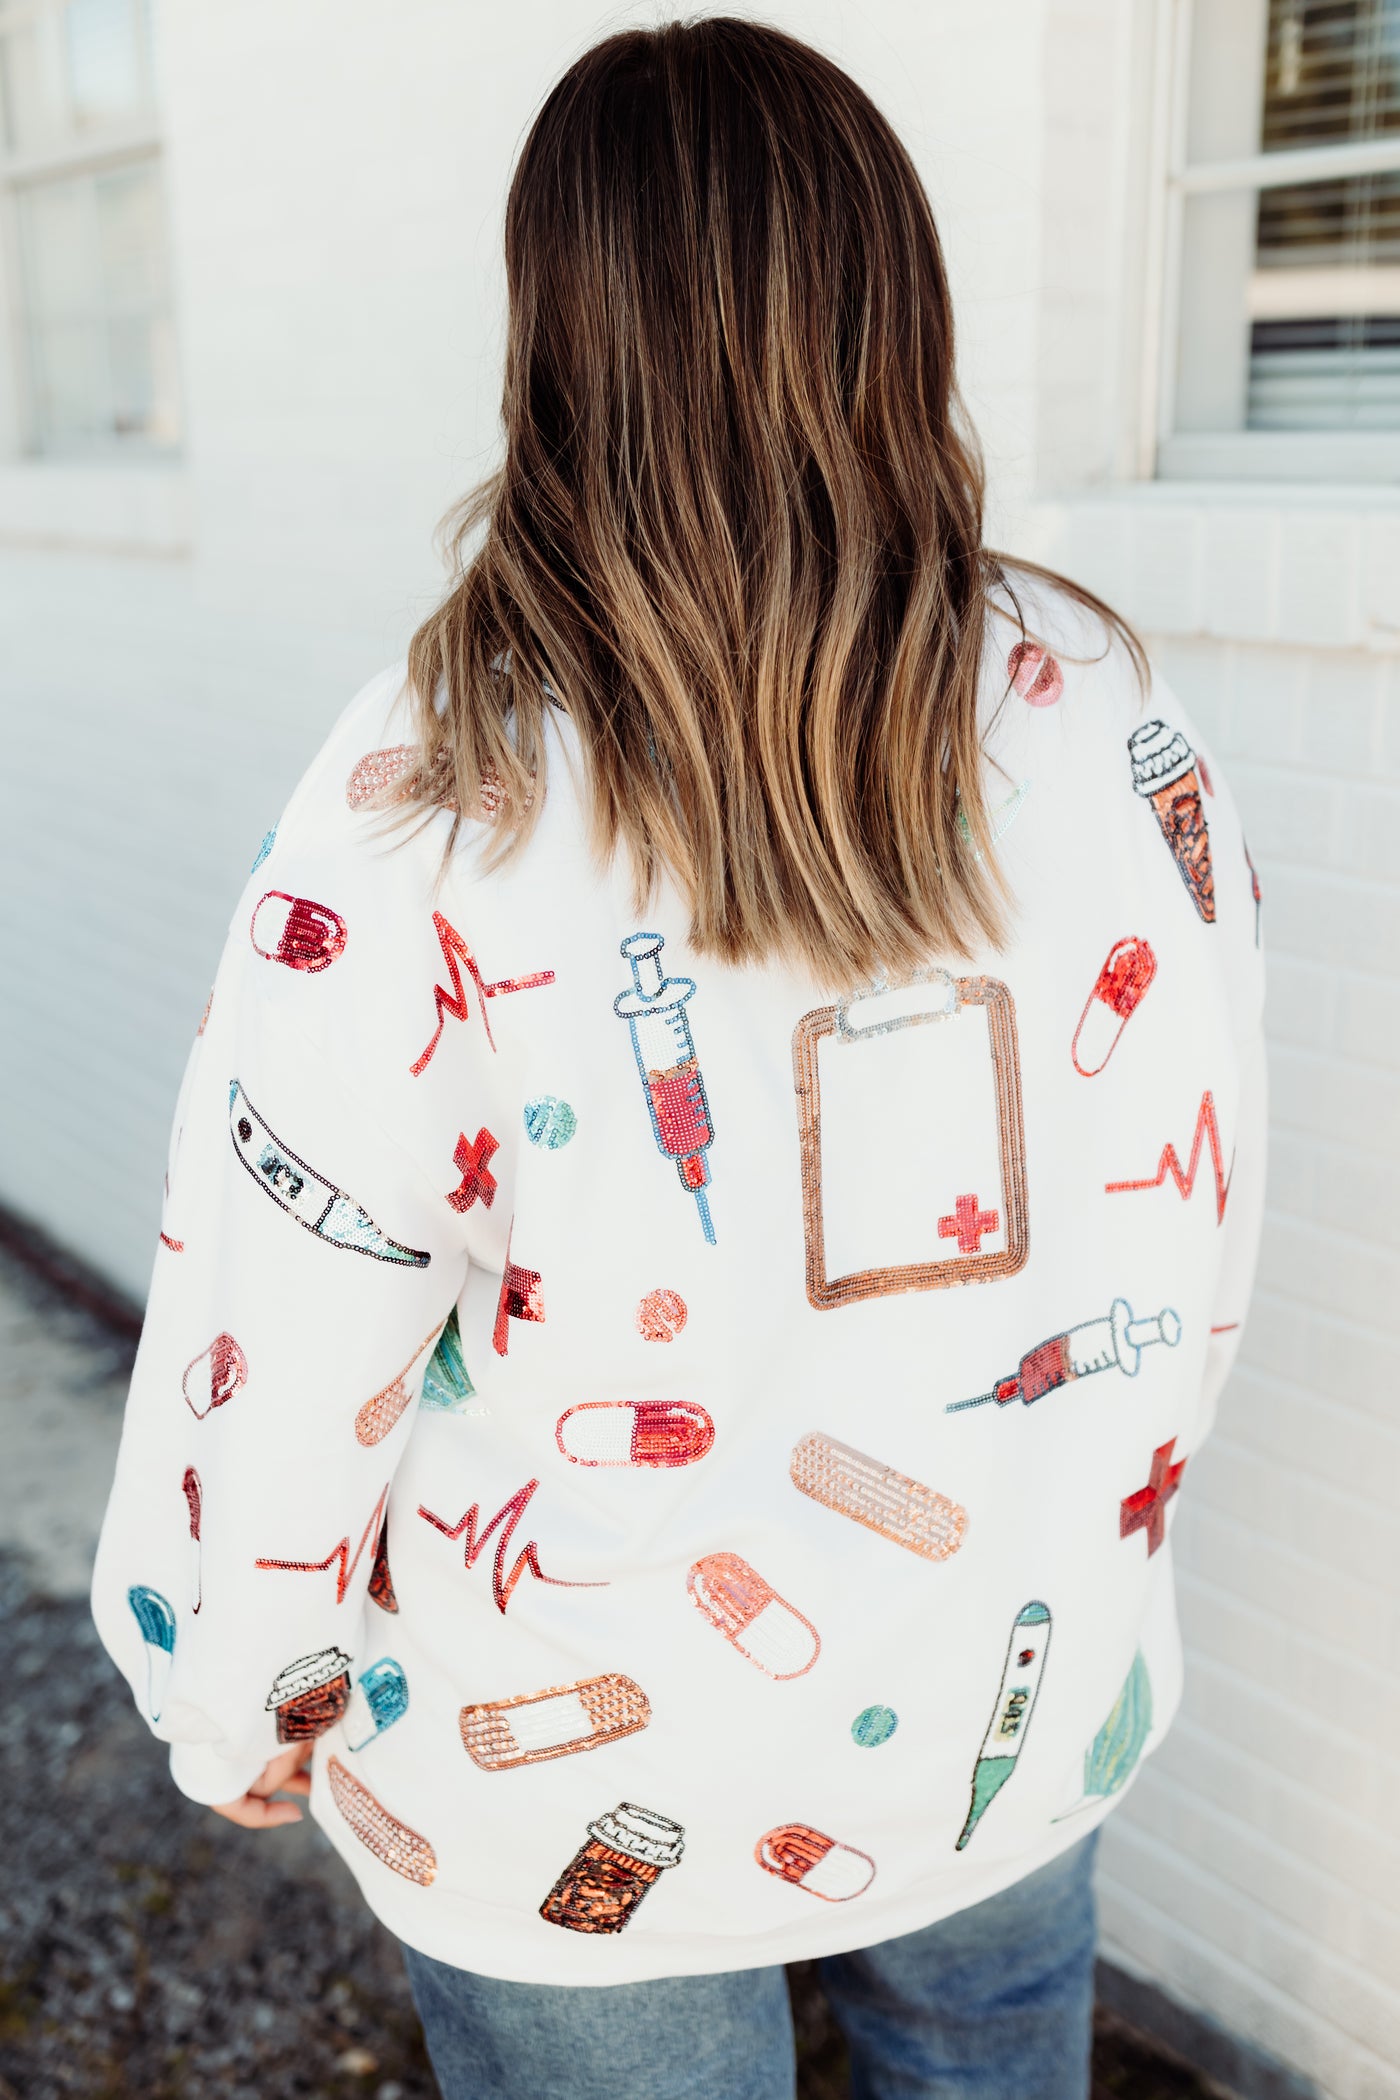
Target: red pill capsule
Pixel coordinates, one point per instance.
(1118, 992)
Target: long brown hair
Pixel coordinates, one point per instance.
(738, 529)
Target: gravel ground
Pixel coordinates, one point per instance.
(149, 1951)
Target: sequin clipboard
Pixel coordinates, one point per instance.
(911, 1138)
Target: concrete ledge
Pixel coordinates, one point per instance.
(1232, 2066)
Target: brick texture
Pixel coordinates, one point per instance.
(1254, 1872)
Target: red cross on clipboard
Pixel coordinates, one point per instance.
(1147, 1509)
(966, 1224)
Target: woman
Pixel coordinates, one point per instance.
(728, 1023)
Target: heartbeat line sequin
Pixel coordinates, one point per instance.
(1207, 1132)
(340, 1557)
(507, 1516)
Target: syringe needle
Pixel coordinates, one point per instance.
(705, 1223)
(956, 1407)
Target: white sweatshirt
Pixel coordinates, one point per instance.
(698, 1452)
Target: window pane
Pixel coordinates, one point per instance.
(35, 95)
(1332, 72)
(104, 46)
(1331, 224)
(102, 362)
(1325, 374)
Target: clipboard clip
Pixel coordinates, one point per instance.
(928, 995)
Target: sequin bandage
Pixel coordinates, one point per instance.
(838, 1033)
(382, 778)
(504, 1733)
(384, 1835)
(899, 1508)
(384, 1408)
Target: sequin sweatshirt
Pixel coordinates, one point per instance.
(697, 1448)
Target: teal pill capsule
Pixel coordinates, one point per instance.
(549, 1122)
(873, 1727)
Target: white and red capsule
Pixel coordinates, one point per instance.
(634, 1433)
(753, 1618)
(812, 1861)
(297, 932)
(1035, 674)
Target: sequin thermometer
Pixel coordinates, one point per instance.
(653, 1006)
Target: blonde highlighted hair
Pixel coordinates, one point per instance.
(738, 528)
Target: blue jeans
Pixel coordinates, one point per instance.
(994, 2003)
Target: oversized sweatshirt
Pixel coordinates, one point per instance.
(696, 1447)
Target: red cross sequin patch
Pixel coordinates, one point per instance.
(471, 1161)
(1146, 1510)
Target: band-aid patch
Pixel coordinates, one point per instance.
(391, 1841)
(767, 1630)
(634, 1433)
(382, 778)
(912, 1140)
(384, 1408)
(875, 1495)
(504, 1733)
(810, 1860)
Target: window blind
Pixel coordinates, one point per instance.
(1325, 349)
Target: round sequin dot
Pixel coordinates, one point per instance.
(661, 1316)
(549, 1122)
(873, 1727)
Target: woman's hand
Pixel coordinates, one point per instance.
(256, 1810)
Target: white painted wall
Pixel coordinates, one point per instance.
(173, 646)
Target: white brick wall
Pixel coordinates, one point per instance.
(1255, 1870)
(336, 175)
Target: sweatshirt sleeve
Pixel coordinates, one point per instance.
(305, 1269)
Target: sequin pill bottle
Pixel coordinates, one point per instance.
(627, 1851)
(1164, 774)
(310, 1695)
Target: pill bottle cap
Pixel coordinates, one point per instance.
(307, 1675)
(1160, 756)
(640, 1833)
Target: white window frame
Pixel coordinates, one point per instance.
(1163, 452)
